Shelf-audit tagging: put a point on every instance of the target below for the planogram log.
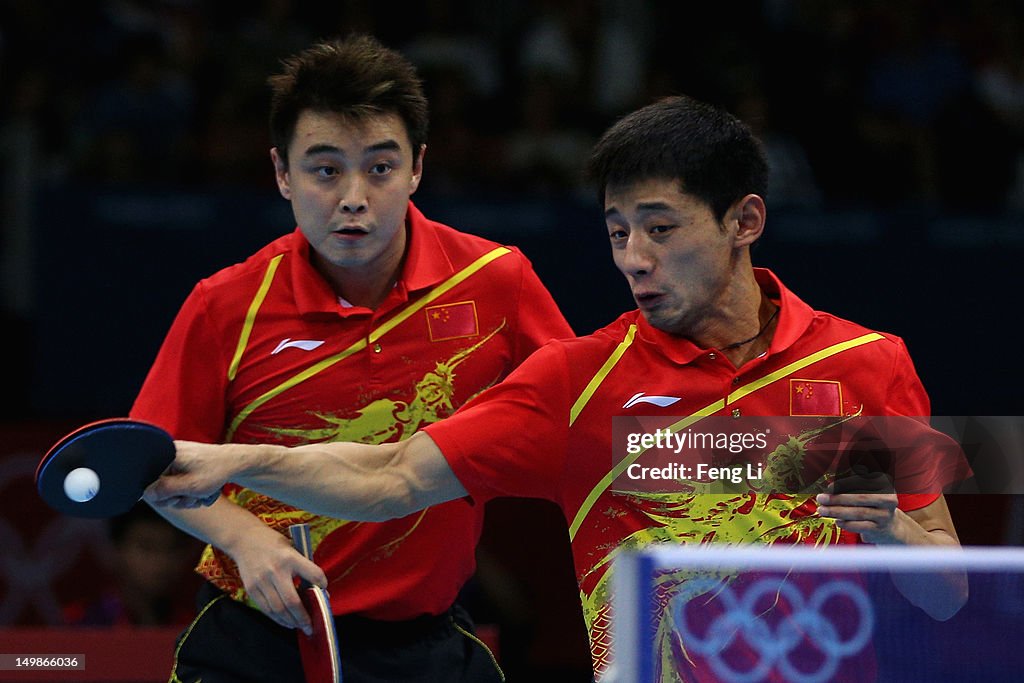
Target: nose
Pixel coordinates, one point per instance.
(636, 257)
(353, 198)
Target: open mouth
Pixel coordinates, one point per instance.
(350, 233)
(648, 301)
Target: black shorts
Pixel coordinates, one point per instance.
(232, 643)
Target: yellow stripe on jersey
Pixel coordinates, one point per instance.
(250, 315)
(596, 381)
(606, 481)
(436, 292)
(800, 364)
(374, 335)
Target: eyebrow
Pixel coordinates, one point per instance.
(642, 207)
(323, 148)
(383, 146)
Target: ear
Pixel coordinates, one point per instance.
(281, 173)
(747, 217)
(417, 169)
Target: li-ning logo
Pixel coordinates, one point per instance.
(304, 344)
(660, 401)
(808, 621)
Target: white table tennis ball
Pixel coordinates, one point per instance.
(81, 484)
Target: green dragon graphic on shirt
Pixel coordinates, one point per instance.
(379, 421)
(696, 512)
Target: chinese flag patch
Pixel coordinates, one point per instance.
(814, 397)
(452, 321)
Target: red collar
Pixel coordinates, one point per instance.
(795, 317)
(426, 263)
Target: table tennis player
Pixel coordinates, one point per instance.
(365, 324)
(682, 187)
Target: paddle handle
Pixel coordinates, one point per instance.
(310, 659)
(301, 541)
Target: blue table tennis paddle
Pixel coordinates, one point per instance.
(102, 469)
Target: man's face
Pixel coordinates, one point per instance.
(675, 254)
(349, 185)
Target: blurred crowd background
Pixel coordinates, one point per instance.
(858, 100)
(134, 151)
(894, 126)
(132, 127)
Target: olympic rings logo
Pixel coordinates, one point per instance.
(775, 646)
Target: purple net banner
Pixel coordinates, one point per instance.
(746, 614)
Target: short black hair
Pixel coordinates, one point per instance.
(714, 155)
(357, 77)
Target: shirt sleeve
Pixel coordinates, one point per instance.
(906, 394)
(185, 388)
(538, 318)
(928, 462)
(511, 440)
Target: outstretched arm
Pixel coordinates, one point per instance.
(359, 482)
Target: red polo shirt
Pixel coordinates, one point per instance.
(264, 351)
(569, 391)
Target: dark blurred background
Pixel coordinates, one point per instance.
(135, 162)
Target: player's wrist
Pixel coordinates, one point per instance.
(897, 531)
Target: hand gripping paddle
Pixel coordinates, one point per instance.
(320, 659)
(103, 468)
